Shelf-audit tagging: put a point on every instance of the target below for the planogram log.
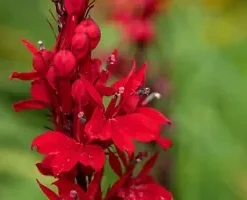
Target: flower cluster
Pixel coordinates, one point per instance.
(89, 130)
(136, 17)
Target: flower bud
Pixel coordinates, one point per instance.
(41, 61)
(92, 29)
(80, 45)
(79, 93)
(64, 63)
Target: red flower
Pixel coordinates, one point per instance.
(140, 123)
(72, 85)
(70, 191)
(143, 186)
(143, 125)
(67, 190)
(41, 63)
(67, 153)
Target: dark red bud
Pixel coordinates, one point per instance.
(92, 29)
(64, 63)
(80, 45)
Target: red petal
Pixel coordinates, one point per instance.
(93, 156)
(94, 185)
(154, 115)
(28, 105)
(148, 166)
(99, 129)
(115, 164)
(65, 187)
(45, 166)
(95, 124)
(49, 193)
(25, 76)
(124, 81)
(65, 161)
(121, 139)
(145, 192)
(117, 185)
(165, 143)
(30, 46)
(139, 78)
(130, 104)
(139, 127)
(53, 142)
(92, 91)
(141, 73)
(39, 91)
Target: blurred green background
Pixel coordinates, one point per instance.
(205, 43)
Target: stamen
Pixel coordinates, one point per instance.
(82, 117)
(151, 97)
(111, 60)
(74, 194)
(121, 90)
(139, 157)
(41, 45)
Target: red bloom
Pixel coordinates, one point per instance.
(67, 153)
(66, 189)
(41, 63)
(143, 186)
(72, 85)
(140, 123)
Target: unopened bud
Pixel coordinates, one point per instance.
(64, 63)
(80, 45)
(89, 27)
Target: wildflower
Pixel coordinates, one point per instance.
(67, 152)
(72, 85)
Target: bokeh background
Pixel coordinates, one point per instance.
(204, 45)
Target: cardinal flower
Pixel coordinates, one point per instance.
(41, 62)
(65, 153)
(68, 190)
(124, 120)
(143, 186)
